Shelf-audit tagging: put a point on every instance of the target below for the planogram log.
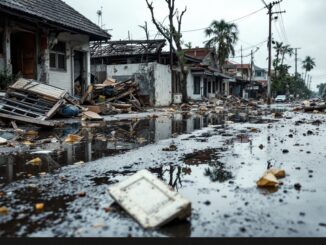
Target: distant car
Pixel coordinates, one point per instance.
(280, 99)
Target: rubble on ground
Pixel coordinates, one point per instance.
(312, 106)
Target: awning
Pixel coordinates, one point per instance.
(218, 74)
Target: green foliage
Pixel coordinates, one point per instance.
(282, 82)
(223, 36)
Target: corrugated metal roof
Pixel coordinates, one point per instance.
(57, 12)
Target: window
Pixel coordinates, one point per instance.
(58, 57)
(209, 87)
(196, 85)
(214, 87)
(259, 73)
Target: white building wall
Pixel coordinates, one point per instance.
(163, 85)
(65, 79)
(162, 78)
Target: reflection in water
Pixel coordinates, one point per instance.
(101, 140)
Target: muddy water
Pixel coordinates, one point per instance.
(211, 167)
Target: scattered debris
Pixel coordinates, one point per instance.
(35, 162)
(278, 173)
(4, 211)
(39, 206)
(150, 201)
(72, 139)
(268, 180)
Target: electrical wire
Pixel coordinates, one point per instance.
(232, 21)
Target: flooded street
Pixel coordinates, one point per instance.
(215, 162)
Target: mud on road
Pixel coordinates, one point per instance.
(215, 162)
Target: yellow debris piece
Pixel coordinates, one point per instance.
(278, 173)
(35, 162)
(268, 180)
(72, 138)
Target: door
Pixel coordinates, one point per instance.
(80, 73)
(23, 54)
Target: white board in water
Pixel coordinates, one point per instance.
(150, 201)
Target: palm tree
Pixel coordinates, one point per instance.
(308, 65)
(278, 48)
(286, 50)
(223, 38)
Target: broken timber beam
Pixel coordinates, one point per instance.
(31, 120)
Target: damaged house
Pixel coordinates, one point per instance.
(47, 41)
(204, 77)
(140, 60)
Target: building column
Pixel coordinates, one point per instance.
(7, 47)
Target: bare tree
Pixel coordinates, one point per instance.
(145, 28)
(173, 35)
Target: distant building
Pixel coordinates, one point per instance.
(142, 60)
(204, 77)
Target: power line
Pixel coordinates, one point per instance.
(232, 21)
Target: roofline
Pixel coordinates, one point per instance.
(20, 13)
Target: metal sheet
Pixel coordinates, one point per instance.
(150, 201)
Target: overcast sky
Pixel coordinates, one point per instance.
(304, 24)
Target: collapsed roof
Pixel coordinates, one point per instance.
(126, 48)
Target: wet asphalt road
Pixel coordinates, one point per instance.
(215, 167)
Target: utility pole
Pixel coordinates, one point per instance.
(251, 66)
(241, 63)
(296, 63)
(270, 14)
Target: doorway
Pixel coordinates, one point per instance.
(23, 54)
(80, 73)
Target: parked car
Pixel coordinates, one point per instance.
(281, 99)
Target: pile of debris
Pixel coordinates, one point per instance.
(36, 103)
(223, 103)
(113, 97)
(315, 106)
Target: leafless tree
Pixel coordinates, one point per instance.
(145, 28)
(173, 34)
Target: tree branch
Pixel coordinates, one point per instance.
(157, 25)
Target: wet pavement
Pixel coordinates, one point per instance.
(214, 161)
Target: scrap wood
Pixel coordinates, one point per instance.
(87, 94)
(50, 123)
(89, 115)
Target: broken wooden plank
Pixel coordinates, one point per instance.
(89, 115)
(31, 120)
(150, 201)
(55, 108)
(87, 94)
(123, 95)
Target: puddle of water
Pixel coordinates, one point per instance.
(203, 157)
(107, 139)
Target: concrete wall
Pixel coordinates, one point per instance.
(65, 79)
(163, 85)
(154, 80)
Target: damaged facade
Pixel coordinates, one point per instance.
(141, 60)
(204, 77)
(47, 41)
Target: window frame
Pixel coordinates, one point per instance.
(58, 53)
